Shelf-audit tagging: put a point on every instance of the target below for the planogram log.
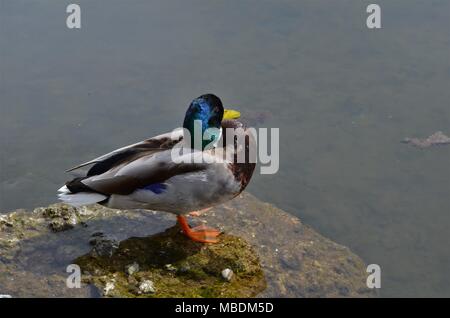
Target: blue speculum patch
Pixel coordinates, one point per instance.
(157, 188)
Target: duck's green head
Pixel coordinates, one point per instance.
(206, 111)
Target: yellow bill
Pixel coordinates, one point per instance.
(231, 114)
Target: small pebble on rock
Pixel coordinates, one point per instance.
(108, 288)
(132, 268)
(171, 268)
(227, 274)
(147, 287)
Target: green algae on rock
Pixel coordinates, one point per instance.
(176, 267)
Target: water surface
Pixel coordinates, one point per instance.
(343, 97)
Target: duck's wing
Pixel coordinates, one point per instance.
(131, 152)
(148, 170)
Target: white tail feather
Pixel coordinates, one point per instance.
(81, 198)
(64, 189)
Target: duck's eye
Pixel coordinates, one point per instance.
(213, 122)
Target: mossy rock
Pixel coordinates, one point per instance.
(177, 266)
(272, 254)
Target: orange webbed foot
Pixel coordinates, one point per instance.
(199, 233)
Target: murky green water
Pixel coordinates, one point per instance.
(343, 97)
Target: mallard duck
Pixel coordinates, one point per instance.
(145, 176)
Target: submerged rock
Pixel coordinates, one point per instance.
(103, 245)
(436, 139)
(270, 252)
